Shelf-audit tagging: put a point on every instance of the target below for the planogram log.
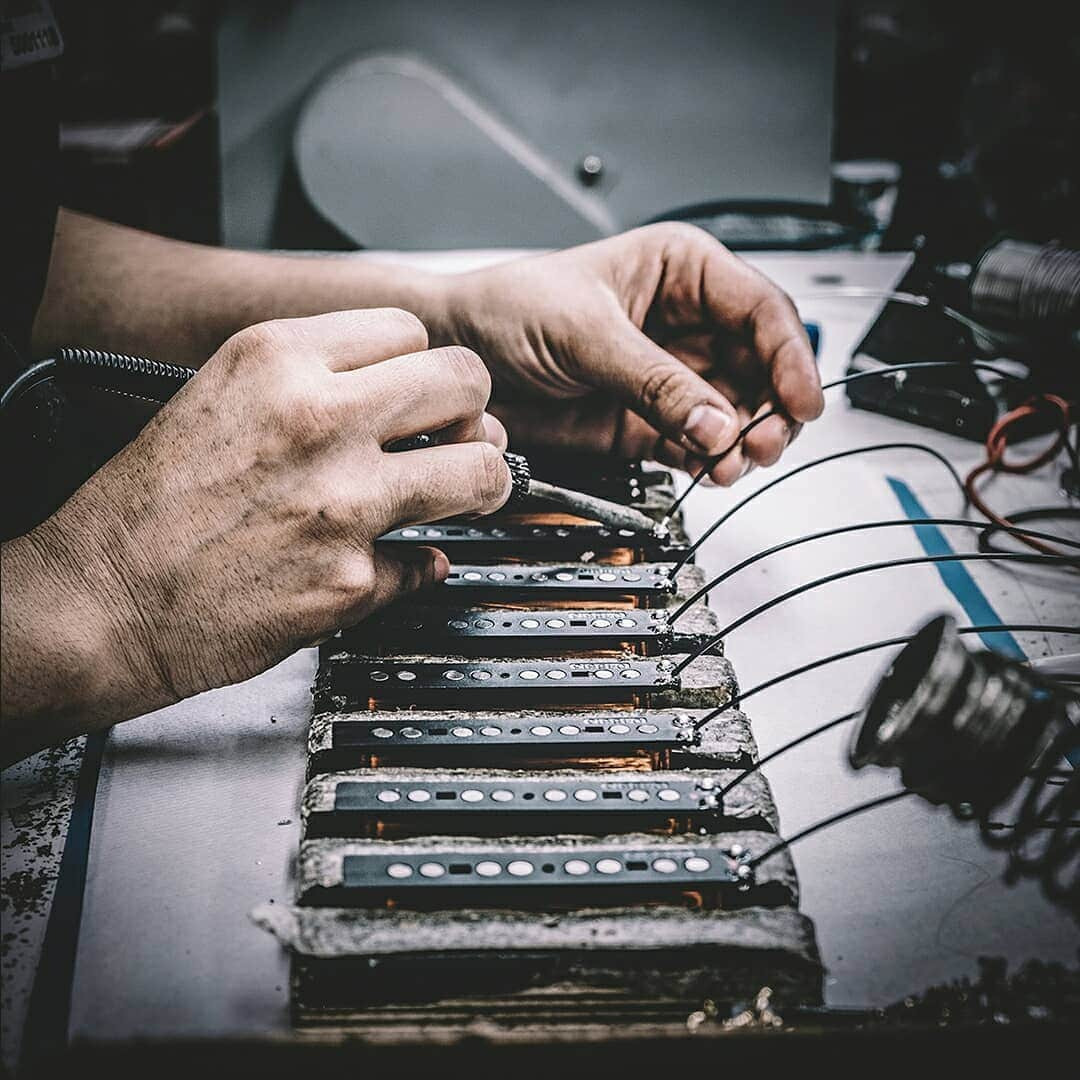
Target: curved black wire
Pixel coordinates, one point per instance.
(806, 737)
(851, 811)
(1019, 517)
(731, 571)
(884, 371)
(813, 464)
(868, 568)
(858, 650)
(33, 376)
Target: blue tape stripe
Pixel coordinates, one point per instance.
(956, 577)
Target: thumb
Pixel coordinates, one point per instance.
(676, 401)
(406, 572)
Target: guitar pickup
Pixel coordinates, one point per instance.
(393, 802)
(466, 540)
(486, 631)
(349, 740)
(546, 874)
(460, 682)
(651, 583)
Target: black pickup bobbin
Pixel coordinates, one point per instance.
(359, 803)
(496, 872)
(459, 682)
(499, 739)
(471, 631)
(648, 582)
(464, 540)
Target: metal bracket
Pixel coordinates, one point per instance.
(573, 734)
(648, 580)
(515, 794)
(539, 680)
(456, 629)
(565, 866)
(566, 541)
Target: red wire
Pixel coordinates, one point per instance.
(997, 442)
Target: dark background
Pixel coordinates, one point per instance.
(978, 103)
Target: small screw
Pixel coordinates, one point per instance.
(590, 169)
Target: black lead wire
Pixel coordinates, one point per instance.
(858, 650)
(868, 568)
(805, 737)
(830, 724)
(727, 515)
(731, 571)
(885, 371)
(850, 812)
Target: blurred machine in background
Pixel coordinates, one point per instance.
(427, 124)
(420, 124)
(549, 123)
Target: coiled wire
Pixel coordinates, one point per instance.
(120, 373)
(978, 732)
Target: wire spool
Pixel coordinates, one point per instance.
(971, 731)
(1017, 283)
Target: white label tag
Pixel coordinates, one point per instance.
(28, 34)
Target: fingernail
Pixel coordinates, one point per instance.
(706, 429)
(430, 561)
(440, 566)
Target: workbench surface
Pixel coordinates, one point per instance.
(195, 808)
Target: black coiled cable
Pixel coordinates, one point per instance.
(135, 376)
(977, 732)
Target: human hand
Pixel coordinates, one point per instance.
(241, 524)
(658, 343)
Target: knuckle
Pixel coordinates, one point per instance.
(682, 233)
(470, 373)
(357, 578)
(490, 476)
(259, 339)
(661, 388)
(261, 352)
(300, 412)
(351, 587)
(408, 326)
(774, 304)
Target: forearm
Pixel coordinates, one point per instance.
(63, 669)
(116, 288)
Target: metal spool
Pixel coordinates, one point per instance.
(972, 730)
(1026, 283)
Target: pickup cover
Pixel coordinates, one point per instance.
(576, 733)
(466, 629)
(460, 538)
(532, 680)
(424, 801)
(519, 873)
(650, 581)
